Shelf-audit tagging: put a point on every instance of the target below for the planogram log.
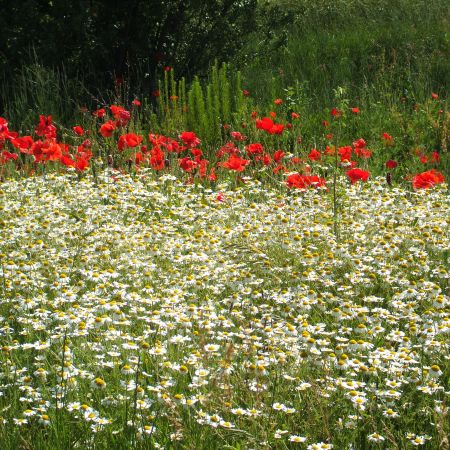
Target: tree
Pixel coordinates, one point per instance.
(101, 39)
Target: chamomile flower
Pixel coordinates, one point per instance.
(296, 438)
(44, 419)
(375, 437)
(98, 383)
(320, 446)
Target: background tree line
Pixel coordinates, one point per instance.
(55, 51)
(105, 39)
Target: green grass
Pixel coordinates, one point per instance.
(392, 47)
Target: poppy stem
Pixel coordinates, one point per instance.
(335, 202)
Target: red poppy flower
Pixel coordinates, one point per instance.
(121, 115)
(81, 164)
(136, 102)
(212, 175)
(187, 164)
(434, 96)
(268, 125)
(427, 179)
(264, 124)
(335, 112)
(117, 110)
(245, 93)
(157, 158)
(295, 115)
(360, 143)
(82, 152)
(277, 128)
(86, 143)
(238, 136)
(197, 153)
(435, 157)
(48, 151)
(6, 156)
(278, 101)
(345, 152)
(267, 160)
(235, 163)
(138, 158)
(202, 167)
(279, 168)
(107, 129)
(67, 161)
(304, 181)
(189, 138)
(129, 140)
(46, 127)
(278, 155)
(169, 144)
(363, 152)
(391, 164)
(100, 113)
(355, 110)
(254, 149)
(314, 155)
(6, 134)
(357, 174)
(296, 180)
(387, 138)
(23, 143)
(228, 148)
(3, 124)
(78, 130)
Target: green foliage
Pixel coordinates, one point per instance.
(208, 105)
(122, 40)
(386, 57)
(366, 45)
(41, 90)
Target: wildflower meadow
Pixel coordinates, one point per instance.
(200, 266)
